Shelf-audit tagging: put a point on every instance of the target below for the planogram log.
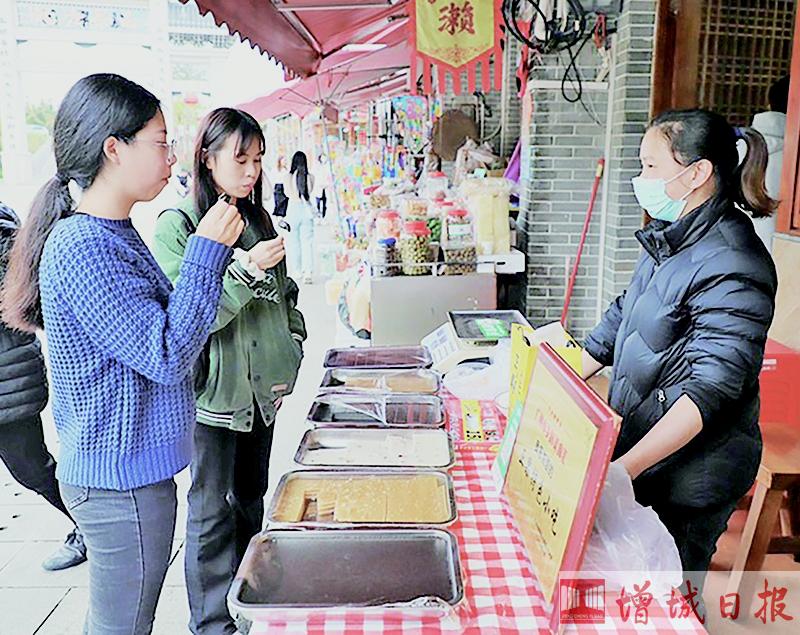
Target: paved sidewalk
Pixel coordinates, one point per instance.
(33, 601)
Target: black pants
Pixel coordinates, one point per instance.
(226, 509)
(696, 531)
(24, 453)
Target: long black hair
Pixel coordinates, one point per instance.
(95, 108)
(215, 129)
(701, 134)
(300, 172)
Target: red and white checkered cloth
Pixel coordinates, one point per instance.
(501, 594)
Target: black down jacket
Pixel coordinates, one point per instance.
(693, 321)
(23, 380)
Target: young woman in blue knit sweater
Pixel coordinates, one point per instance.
(122, 341)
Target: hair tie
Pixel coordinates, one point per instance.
(739, 132)
(62, 178)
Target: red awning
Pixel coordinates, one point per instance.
(303, 34)
(347, 81)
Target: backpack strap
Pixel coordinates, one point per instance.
(186, 218)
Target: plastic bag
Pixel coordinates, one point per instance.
(629, 542)
(480, 382)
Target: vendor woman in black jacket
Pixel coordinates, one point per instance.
(686, 340)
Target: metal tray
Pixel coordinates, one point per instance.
(286, 573)
(370, 410)
(381, 380)
(466, 323)
(379, 357)
(376, 447)
(407, 498)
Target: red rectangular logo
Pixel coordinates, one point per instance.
(582, 601)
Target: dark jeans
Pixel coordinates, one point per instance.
(23, 451)
(226, 509)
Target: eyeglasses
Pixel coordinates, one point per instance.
(169, 146)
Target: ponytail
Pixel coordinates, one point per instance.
(701, 134)
(95, 108)
(20, 304)
(749, 175)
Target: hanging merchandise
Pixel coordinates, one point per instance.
(412, 116)
(456, 36)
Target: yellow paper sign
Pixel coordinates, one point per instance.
(523, 355)
(471, 421)
(548, 467)
(524, 347)
(455, 31)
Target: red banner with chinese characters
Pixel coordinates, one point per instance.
(456, 36)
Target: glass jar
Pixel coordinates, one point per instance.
(460, 254)
(458, 228)
(460, 260)
(385, 258)
(415, 209)
(415, 247)
(436, 185)
(388, 225)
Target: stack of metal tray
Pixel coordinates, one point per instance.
(373, 507)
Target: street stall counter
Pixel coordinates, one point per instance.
(405, 530)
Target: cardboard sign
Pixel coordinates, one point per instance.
(524, 346)
(558, 466)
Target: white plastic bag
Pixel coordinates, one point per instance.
(629, 543)
(479, 381)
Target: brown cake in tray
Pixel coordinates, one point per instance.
(363, 497)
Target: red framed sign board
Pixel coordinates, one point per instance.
(557, 470)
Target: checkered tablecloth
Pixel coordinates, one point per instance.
(501, 594)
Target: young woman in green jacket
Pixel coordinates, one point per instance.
(254, 354)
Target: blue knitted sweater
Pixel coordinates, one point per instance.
(122, 344)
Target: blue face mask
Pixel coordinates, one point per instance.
(652, 196)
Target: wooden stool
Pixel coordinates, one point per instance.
(778, 480)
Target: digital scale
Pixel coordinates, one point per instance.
(469, 335)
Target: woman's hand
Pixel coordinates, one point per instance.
(589, 365)
(626, 462)
(268, 253)
(674, 430)
(221, 223)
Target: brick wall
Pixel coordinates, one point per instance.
(630, 114)
(560, 153)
